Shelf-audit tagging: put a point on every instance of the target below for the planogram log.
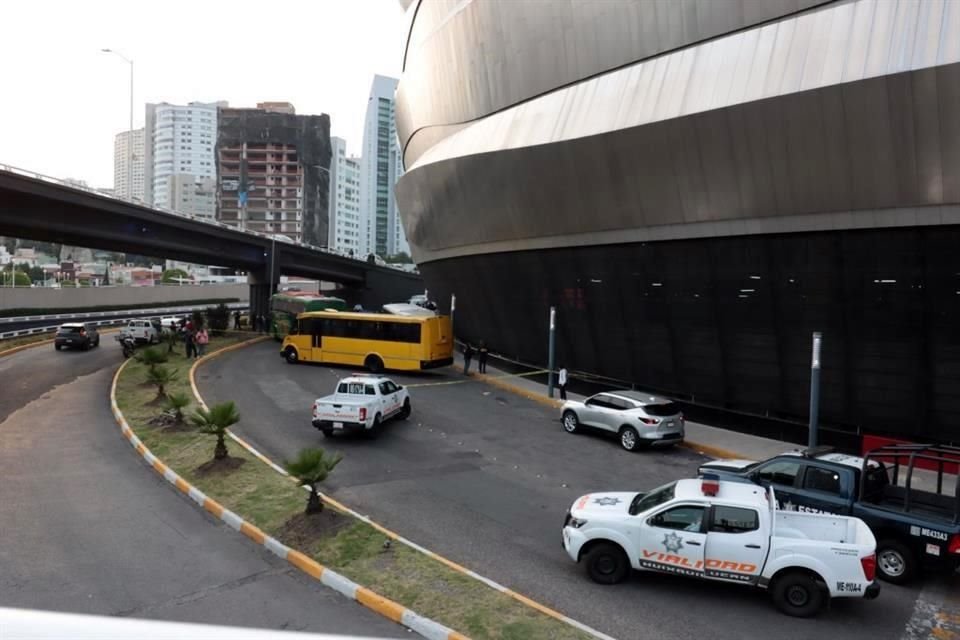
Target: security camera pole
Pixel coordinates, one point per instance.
(551, 362)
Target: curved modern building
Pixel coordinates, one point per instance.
(697, 186)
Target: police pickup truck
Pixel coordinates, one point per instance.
(361, 403)
(726, 531)
(908, 495)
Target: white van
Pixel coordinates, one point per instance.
(141, 331)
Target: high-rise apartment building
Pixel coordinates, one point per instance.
(124, 185)
(273, 171)
(346, 232)
(181, 166)
(382, 166)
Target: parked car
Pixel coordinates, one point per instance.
(76, 335)
(639, 419)
(142, 331)
(916, 528)
(170, 324)
(724, 531)
(361, 403)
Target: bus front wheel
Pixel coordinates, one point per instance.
(374, 364)
(291, 355)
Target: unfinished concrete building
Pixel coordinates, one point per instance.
(273, 171)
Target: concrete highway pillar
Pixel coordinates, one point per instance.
(263, 284)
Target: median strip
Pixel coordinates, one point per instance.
(343, 549)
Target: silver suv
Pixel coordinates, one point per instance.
(639, 419)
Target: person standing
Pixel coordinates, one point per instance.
(188, 340)
(467, 357)
(236, 320)
(202, 339)
(482, 357)
(562, 383)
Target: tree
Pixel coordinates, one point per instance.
(178, 402)
(151, 357)
(174, 276)
(215, 421)
(160, 376)
(312, 467)
(219, 319)
(400, 258)
(19, 279)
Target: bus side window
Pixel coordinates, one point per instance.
(294, 328)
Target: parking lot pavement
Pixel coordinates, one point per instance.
(484, 477)
(86, 527)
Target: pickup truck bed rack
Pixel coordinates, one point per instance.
(946, 460)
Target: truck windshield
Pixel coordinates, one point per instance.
(644, 502)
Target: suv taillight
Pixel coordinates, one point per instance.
(649, 420)
(83, 332)
(869, 565)
(954, 546)
(363, 413)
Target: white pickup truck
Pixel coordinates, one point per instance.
(726, 531)
(361, 403)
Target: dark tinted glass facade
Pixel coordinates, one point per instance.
(727, 322)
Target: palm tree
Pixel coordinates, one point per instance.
(215, 421)
(151, 357)
(160, 377)
(312, 467)
(178, 402)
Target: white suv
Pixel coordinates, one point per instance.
(141, 331)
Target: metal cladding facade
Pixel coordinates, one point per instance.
(697, 186)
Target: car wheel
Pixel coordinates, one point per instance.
(405, 412)
(797, 594)
(97, 343)
(85, 347)
(58, 347)
(374, 431)
(606, 563)
(291, 356)
(373, 364)
(570, 421)
(327, 433)
(629, 438)
(895, 562)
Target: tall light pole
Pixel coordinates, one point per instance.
(130, 135)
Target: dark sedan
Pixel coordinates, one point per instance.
(76, 335)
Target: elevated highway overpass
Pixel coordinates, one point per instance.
(40, 208)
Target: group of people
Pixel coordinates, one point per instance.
(195, 338)
(482, 352)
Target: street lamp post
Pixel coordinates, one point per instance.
(130, 135)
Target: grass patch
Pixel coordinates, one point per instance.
(10, 343)
(353, 548)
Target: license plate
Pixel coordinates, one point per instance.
(338, 425)
(670, 423)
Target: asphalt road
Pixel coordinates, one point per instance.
(86, 527)
(485, 477)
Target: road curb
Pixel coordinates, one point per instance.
(24, 347)
(389, 609)
(547, 611)
(498, 381)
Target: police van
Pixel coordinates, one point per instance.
(724, 531)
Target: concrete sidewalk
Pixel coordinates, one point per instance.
(710, 441)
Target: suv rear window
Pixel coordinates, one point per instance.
(66, 330)
(663, 409)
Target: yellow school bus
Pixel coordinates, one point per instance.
(376, 341)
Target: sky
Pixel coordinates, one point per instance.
(64, 100)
